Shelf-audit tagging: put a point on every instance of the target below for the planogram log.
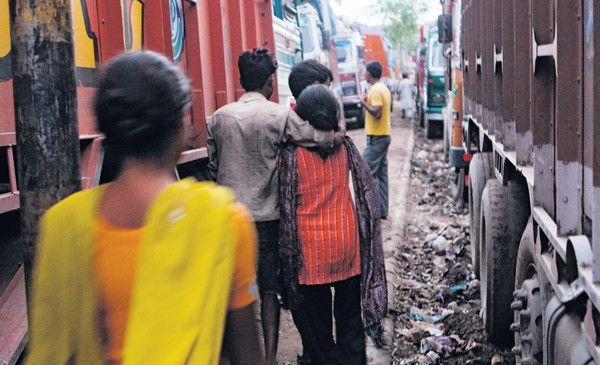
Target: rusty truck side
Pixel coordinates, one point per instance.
(532, 111)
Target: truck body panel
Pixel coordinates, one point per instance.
(288, 46)
(375, 51)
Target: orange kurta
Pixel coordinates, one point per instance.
(115, 258)
(326, 219)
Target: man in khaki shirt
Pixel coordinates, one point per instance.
(243, 144)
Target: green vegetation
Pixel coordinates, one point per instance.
(401, 19)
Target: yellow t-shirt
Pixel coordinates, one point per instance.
(115, 257)
(379, 95)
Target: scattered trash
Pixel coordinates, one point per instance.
(458, 287)
(437, 344)
(437, 301)
(417, 316)
(433, 356)
(497, 360)
(440, 244)
(440, 317)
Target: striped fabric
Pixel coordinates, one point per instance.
(326, 219)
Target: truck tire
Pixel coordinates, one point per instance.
(360, 118)
(480, 170)
(463, 188)
(447, 139)
(430, 131)
(503, 220)
(527, 304)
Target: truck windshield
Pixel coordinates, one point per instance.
(436, 55)
(344, 51)
(307, 34)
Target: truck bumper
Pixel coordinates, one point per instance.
(435, 117)
(353, 110)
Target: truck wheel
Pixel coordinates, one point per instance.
(480, 170)
(527, 304)
(429, 130)
(446, 140)
(503, 220)
(360, 119)
(459, 189)
(463, 188)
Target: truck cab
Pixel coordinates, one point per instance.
(314, 36)
(350, 54)
(288, 45)
(434, 95)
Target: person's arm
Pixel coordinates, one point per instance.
(341, 118)
(303, 134)
(376, 106)
(211, 147)
(241, 330)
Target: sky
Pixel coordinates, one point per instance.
(363, 10)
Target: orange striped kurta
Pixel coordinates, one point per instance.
(326, 219)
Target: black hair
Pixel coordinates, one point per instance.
(307, 73)
(317, 104)
(139, 104)
(256, 67)
(404, 75)
(374, 68)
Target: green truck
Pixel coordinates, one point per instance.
(432, 98)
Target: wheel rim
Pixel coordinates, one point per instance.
(527, 306)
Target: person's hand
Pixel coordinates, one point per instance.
(338, 138)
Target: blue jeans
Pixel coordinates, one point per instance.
(376, 157)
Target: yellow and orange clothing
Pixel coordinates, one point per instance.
(326, 217)
(115, 259)
(191, 261)
(379, 95)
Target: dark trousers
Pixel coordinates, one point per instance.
(314, 321)
(376, 157)
(268, 257)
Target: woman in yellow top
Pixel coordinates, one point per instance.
(144, 270)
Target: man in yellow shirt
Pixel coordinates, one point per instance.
(378, 126)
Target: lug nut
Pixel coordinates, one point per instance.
(516, 350)
(514, 327)
(525, 314)
(516, 305)
(527, 339)
(520, 294)
(517, 292)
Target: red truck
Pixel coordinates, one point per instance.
(375, 51)
(203, 37)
